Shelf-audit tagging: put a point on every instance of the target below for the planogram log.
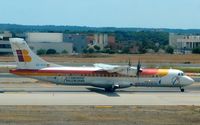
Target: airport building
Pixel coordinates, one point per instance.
(184, 42)
(5, 35)
(44, 37)
(79, 41)
(102, 40)
(46, 41)
(61, 47)
(112, 42)
(58, 41)
(5, 47)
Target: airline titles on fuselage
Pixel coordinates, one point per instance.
(74, 79)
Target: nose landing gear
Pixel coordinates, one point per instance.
(182, 89)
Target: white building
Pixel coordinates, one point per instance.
(44, 37)
(46, 41)
(189, 42)
(184, 42)
(101, 40)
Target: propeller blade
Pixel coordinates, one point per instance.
(138, 68)
(129, 65)
(129, 62)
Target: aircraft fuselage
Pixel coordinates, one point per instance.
(95, 77)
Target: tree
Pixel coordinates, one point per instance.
(91, 50)
(74, 49)
(97, 47)
(64, 51)
(142, 50)
(41, 52)
(125, 50)
(51, 51)
(111, 52)
(156, 49)
(85, 50)
(169, 49)
(196, 50)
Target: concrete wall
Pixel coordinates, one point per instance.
(59, 47)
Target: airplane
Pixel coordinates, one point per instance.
(109, 77)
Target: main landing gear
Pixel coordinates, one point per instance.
(112, 89)
(182, 89)
(109, 89)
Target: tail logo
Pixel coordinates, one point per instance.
(23, 56)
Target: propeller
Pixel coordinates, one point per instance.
(129, 66)
(138, 69)
(129, 62)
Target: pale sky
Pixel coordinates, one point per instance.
(182, 14)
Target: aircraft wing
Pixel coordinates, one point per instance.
(114, 68)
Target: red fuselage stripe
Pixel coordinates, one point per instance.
(29, 72)
(55, 72)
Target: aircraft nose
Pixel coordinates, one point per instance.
(187, 80)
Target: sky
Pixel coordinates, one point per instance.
(183, 14)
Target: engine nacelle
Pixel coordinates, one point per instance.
(124, 84)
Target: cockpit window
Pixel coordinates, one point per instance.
(181, 74)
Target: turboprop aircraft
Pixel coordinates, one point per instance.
(109, 77)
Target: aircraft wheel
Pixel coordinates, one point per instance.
(109, 89)
(182, 89)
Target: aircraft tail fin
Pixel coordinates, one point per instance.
(24, 56)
